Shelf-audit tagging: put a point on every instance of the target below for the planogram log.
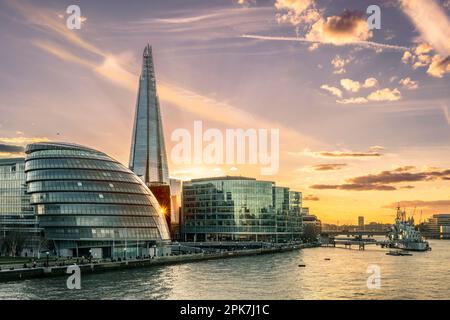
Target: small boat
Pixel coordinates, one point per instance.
(398, 253)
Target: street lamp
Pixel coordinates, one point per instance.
(124, 253)
(47, 253)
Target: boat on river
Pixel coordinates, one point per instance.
(404, 235)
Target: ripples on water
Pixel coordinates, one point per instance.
(425, 275)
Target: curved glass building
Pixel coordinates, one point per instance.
(90, 204)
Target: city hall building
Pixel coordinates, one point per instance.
(90, 204)
(240, 209)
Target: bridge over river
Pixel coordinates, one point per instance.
(353, 238)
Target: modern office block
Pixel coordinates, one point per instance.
(19, 231)
(239, 209)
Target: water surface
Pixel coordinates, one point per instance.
(425, 275)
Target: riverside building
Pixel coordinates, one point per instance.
(19, 231)
(91, 205)
(240, 209)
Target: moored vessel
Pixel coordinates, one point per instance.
(403, 234)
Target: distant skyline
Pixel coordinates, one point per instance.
(364, 115)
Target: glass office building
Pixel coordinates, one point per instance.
(240, 209)
(90, 204)
(20, 234)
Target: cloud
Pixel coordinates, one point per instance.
(409, 84)
(350, 85)
(313, 46)
(385, 95)
(23, 140)
(342, 154)
(349, 27)
(433, 25)
(376, 148)
(423, 57)
(431, 21)
(340, 63)
(396, 176)
(353, 187)
(370, 82)
(48, 20)
(115, 69)
(333, 90)
(426, 205)
(297, 6)
(245, 3)
(354, 86)
(296, 11)
(7, 148)
(12, 147)
(423, 48)
(405, 168)
(407, 57)
(439, 66)
(383, 181)
(446, 111)
(110, 69)
(310, 197)
(363, 44)
(329, 166)
(358, 100)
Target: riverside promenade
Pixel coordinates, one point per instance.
(17, 272)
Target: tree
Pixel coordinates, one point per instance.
(13, 243)
(310, 232)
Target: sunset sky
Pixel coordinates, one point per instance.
(364, 116)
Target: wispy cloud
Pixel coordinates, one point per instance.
(354, 187)
(329, 166)
(384, 180)
(343, 154)
(428, 206)
(15, 146)
(333, 90)
(22, 141)
(113, 69)
(8, 148)
(446, 111)
(364, 44)
(431, 21)
(310, 197)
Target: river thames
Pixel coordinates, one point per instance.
(328, 273)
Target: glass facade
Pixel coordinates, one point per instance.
(20, 233)
(240, 209)
(88, 202)
(148, 157)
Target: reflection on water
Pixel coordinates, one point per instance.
(424, 275)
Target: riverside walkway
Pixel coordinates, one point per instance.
(18, 272)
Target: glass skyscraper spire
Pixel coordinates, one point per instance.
(148, 157)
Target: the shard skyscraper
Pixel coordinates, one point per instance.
(148, 157)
